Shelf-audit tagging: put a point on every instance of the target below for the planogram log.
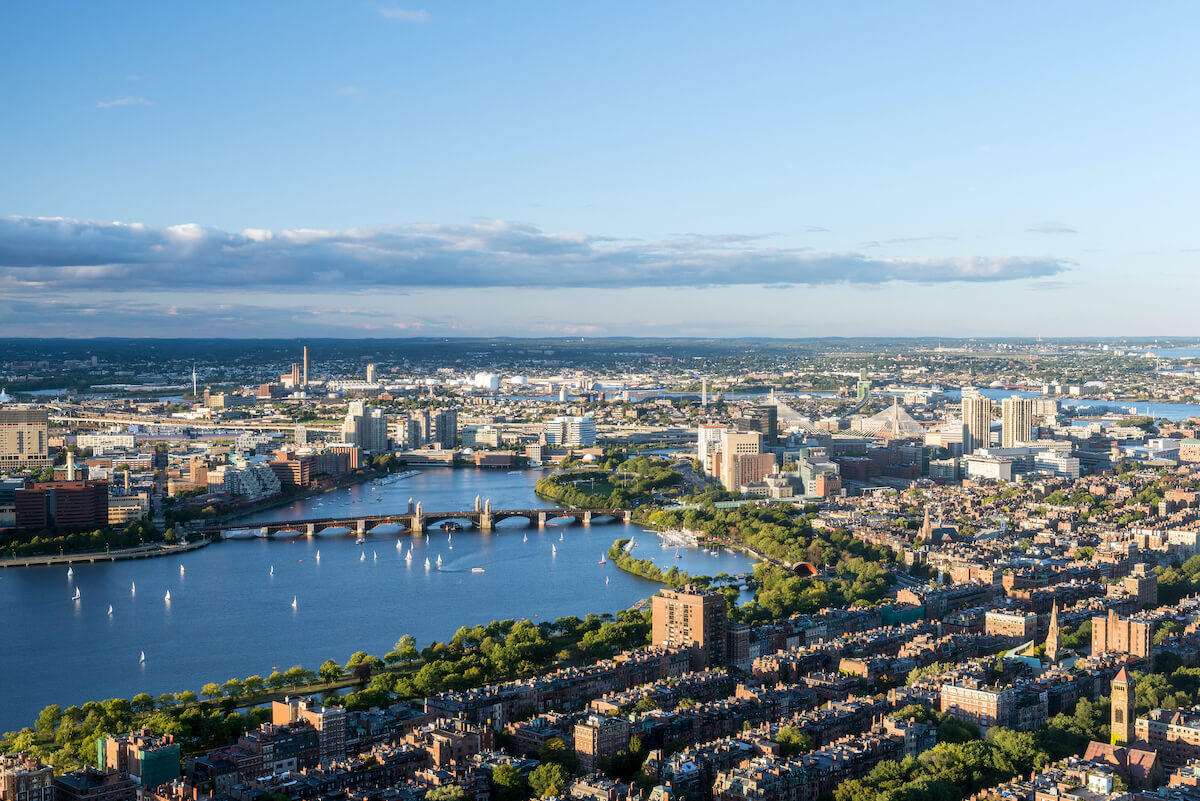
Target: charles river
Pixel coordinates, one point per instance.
(229, 617)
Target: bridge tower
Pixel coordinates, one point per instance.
(478, 503)
(418, 519)
(486, 521)
(410, 506)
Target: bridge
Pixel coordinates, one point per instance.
(416, 520)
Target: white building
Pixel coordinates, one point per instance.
(572, 432)
(368, 429)
(487, 381)
(103, 443)
(708, 442)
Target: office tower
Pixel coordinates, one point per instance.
(1016, 420)
(692, 619)
(729, 465)
(76, 505)
(370, 374)
(23, 439)
(1124, 718)
(704, 392)
(444, 426)
(306, 365)
(708, 442)
(763, 418)
(977, 422)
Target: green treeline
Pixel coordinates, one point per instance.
(648, 570)
(856, 571)
(499, 651)
(611, 484)
(50, 542)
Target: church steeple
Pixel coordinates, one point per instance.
(1052, 636)
(1123, 715)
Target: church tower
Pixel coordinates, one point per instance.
(1052, 649)
(1123, 716)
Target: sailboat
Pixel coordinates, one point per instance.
(426, 562)
(602, 561)
(181, 571)
(272, 570)
(110, 610)
(525, 538)
(399, 545)
(560, 536)
(439, 560)
(408, 556)
(362, 557)
(75, 597)
(293, 601)
(318, 554)
(70, 571)
(606, 580)
(142, 658)
(167, 598)
(374, 556)
(132, 588)
(553, 550)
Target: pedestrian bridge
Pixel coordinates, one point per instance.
(416, 520)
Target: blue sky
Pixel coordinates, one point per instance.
(787, 169)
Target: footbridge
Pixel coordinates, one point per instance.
(415, 520)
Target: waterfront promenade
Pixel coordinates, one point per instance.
(121, 554)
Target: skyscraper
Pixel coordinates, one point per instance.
(763, 418)
(306, 365)
(23, 443)
(708, 442)
(977, 422)
(365, 428)
(692, 619)
(1016, 417)
(370, 374)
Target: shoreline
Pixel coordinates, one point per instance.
(86, 557)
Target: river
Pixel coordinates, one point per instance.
(230, 617)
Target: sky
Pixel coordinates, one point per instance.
(598, 169)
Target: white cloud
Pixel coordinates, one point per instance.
(124, 101)
(405, 15)
(69, 255)
(1051, 228)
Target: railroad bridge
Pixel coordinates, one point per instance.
(416, 520)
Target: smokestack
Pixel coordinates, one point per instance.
(70, 466)
(305, 365)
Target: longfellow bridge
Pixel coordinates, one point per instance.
(416, 520)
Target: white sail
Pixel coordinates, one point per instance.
(426, 562)
(70, 572)
(76, 597)
(110, 609)
(181, 570)
(408, 556)
(318, 554)
(606, 579)
(362, 557)
(293, 601)
(439, 560)
(553, 549)
(525, 538)
(142, 658)
(272, 570)
(132, 588)
(167, 598)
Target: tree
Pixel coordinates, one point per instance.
(276, 680)
(549, 779)
(446, 792)
(330, 671)
(211, 690)
(792, 741)
(142, 702)
(185, 698)
(234, 688)
(509, 783)
(254, 685)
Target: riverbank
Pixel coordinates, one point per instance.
(122, 554)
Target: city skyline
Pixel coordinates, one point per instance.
(783, 170)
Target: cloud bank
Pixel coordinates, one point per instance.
(57, 254)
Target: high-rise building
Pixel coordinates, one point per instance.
(571, 432)
(370, 374)
(1124, 719)
(977, 422)
(1016, 421)
(763, 418)
(692, 619)
(444, 426)
(365, 428)
(77, 505)
(23, 439)
(741, 459)
(1113, 634)
(306, 365)
(708, 442)
(24, 778)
